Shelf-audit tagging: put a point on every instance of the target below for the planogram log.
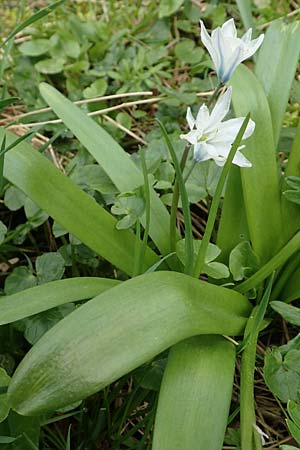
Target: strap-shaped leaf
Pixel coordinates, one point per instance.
(41, 298)
(291, 211)
(261, 181)
(112, 158)
(116, 332)
(195, 395)
(75, 210)
(276, 67)
(233, 226)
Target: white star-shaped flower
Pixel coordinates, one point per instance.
(212, 137)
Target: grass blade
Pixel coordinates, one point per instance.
(37, 16)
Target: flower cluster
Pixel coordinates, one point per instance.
(211, 136)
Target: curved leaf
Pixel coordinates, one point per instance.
(41, 298)
(116, 332)
(233, 227)
(261, 181)
(112, 158)
(195, 395)
(72, 208)
(277, 72)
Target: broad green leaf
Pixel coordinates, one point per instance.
(118, 331)
(14, 198)
(294, 411)
(96, 89)
(280, 50)
(263, 211)
(35, 47)
(74, 210)
(290, 313)
(112, 158)
(291, 211)
(288, 447)
(246, 13)
(242, 261)
(91, 176)
(195, 395)
(282, 373)
(294, 430)
(50, 66)
(19, 279)
(36, 326)
(131, 207)
(233, 227)
(3, 231)
(213, 269)
(70, 44)
(4, 407)
(185, 51)
(168, 7)
(34, 214)
(27, 429)
(41, 298)
(49, 267)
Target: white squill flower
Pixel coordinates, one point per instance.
(212, 138)
(226, 49)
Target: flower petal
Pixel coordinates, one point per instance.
(228, 130)
(220, 110)
(207, 42)
(200, 152)
(233, 59)
(240, 160)
(229, 29)
(252, 47)
(190, 119)
(202, 117)
(247, 36)
(192, 136)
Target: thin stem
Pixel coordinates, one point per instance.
(215, 94)
(174, 206)
(190, 171)
(216, 200)
(137, 248)
(249, 435)
(278, 260)
(247, 412)
(148, 211)
(185, 204)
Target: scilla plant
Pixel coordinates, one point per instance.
(164, 304)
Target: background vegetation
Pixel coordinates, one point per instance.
(105, 50)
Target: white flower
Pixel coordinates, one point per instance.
(212, 138)
(226, 49)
